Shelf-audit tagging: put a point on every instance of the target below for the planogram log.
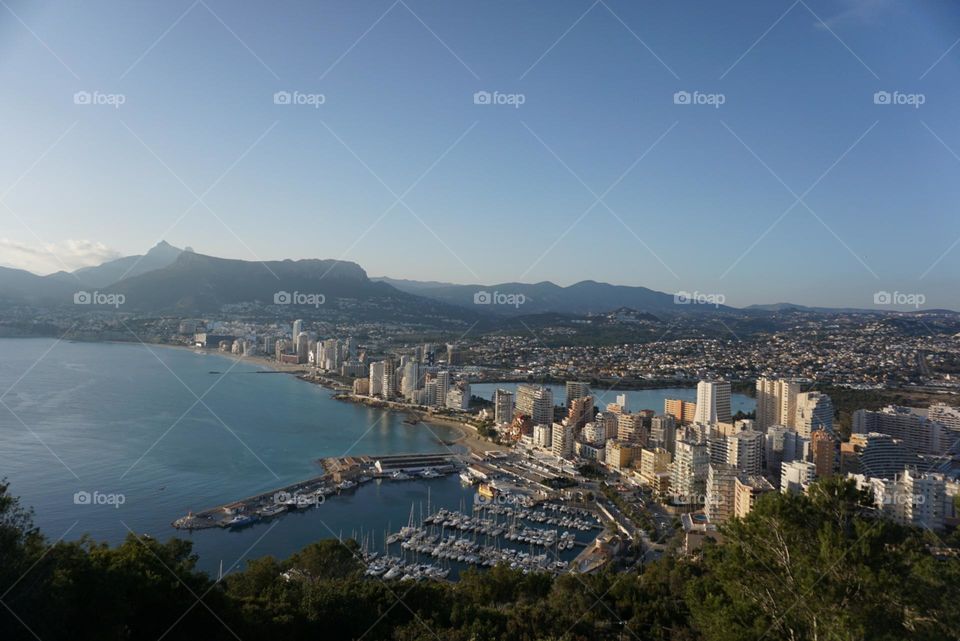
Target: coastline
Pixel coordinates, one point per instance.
(468, 434)
(263, 361)
(468, 437)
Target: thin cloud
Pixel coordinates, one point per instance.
(67, 255)
(856, 11)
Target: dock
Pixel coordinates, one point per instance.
(340, 474)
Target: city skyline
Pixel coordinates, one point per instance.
(790, 155)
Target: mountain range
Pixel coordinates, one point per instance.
(168, 279)
(585, 297)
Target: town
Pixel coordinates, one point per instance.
(682, 468)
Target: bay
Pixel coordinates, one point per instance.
(171, 430)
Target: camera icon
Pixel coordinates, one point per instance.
(482, 98)
(881, 98)
(282, 298)
(82, 98)
(681, 98)
(681, 298)
(82, 298)
(882, 298)
(482, 298)
(282, 98)
(81, 498)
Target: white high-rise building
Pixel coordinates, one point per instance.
(412, 379)
(783, 445)
(923, 498)
(745, 451)
(458, 397)
(721, 486)
(562, 438)
(594, 433)
(543, 436)
(389, 387)
(688, 472)
(536, 402)
(776, 402)
(918, 433)
(796, 476)
(503, 406)
(622, 402)
(911, 498)
(302, 346)
(663, 432)
(431, 398)
(946, 415)
(376, 378)
(713, 402)
(443, 386)
(576, 390)
(814, 412)
(609, 421)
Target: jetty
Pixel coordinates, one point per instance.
(340, 475)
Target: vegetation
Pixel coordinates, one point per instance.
(592, 470)
(798, 567)
(640, 518)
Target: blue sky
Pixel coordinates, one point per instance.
(699, 196)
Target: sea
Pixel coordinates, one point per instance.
(108, 439)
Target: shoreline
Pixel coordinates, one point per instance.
(263, 361)
(468, 438)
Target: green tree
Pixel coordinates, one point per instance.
(822, 566)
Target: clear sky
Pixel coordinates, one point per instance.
(798, 187)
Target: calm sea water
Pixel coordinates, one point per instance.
(119, 419)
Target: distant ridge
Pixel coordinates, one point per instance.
(167, 279)
(159, 256)
(585, 297)
(197, 283)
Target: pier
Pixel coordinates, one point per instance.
(340, 474)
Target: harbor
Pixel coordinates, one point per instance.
(341, 474)
(528, 536)
(499, 520)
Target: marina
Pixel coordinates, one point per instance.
(341, 475)
(524, 531)
(527, 536)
